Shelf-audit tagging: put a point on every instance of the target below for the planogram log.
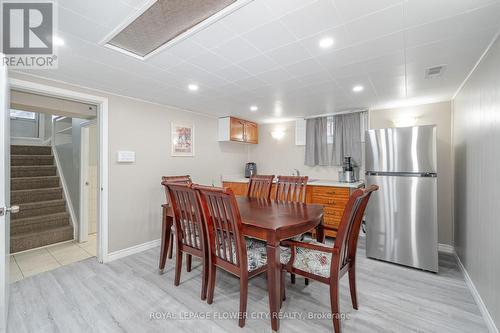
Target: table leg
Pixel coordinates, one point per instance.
(273, 283)
(320, 232)
(165, 238)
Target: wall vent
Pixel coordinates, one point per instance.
(435, 71)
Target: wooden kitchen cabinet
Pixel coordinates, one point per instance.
(333, 199)
(238, 130)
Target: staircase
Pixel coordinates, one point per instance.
(36, 189)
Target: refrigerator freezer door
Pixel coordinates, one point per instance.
(407, 149)
(401, 221)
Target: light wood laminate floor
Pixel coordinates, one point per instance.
(124, 295)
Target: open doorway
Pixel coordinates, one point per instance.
(67, 134)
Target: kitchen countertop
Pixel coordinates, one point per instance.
(311, 182)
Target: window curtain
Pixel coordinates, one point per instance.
(348, 131)
(347, 138)
(316, 142)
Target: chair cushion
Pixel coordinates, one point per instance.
(313, 261)
(257, 254)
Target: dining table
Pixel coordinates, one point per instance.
(270, 221)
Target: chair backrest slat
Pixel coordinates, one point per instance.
(223, 222)
(188, 215)
(291, 188)
(348, 232)
(259, 186)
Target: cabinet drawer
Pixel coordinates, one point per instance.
(330, 201)
(328, 191)
(331, 222)
(333, 212)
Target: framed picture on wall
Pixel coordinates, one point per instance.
(182, 140)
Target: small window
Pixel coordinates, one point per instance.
(22, 114)
(330, 128)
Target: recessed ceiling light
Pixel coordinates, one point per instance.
(254, 108)
(358, 88)
(326, 42)
(193, 87)
(58, 41)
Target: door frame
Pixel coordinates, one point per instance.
(103, 130)
(83, 226)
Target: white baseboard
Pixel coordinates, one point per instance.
(131, 250)
(477, 297)
(446, 248)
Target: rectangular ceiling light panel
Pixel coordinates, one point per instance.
(164, 21)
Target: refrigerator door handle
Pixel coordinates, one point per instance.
(402, 174)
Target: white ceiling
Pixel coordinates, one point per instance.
(267, 54)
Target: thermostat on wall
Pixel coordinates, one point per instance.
(125, 156)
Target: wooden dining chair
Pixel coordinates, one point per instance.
(190, 230)
(320, 262)
(167, 245)
(259, 186)
(229, 249)
(291, 188)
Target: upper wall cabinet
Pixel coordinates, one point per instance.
(239, 130)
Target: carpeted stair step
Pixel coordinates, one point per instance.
(25, 160)
(26, 241)
(32, 171)
(43, 194)
(27, 183)
(34, 209)
(30, 150)
(38, 223)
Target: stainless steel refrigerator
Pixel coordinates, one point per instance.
(401, 218)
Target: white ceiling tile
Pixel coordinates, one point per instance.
(379, 47)
(259, 64)
(232, 73)
(70, 22)
(462, 25)
(353, 9)
(209, 61)
(249, 17)
(340, 58)
(186, 49)
(110, 13)
(282, 7)
(304, 68)
(214, 35)
(275, 76)
(236, 50)
(377, 24)
(269, 36)
(312, 19)
(164, 60)
(289, 54)
(138, 4)
(425, 11)
(250, 83)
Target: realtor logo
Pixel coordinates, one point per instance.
(27, 34)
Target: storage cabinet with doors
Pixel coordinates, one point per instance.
(238, 130)
(333, 199)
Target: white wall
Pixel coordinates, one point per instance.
(430, 114)
(135, 193)
(476, 136)
(280, 157)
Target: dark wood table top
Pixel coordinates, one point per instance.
(283, 220)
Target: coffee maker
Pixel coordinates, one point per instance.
(250, 169)
(347, 174)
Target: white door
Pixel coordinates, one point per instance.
(4, 196)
